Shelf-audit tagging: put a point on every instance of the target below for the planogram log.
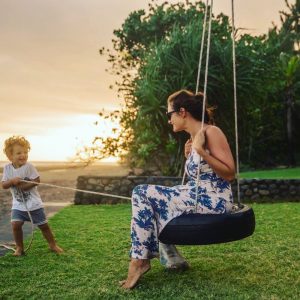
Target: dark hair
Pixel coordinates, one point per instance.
(192, 103)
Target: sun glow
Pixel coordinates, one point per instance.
(62, 143)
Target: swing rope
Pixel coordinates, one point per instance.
(202, 46)
(199, 67)
(205, 92)
(190, 229)
(235, 106)
(204, 95)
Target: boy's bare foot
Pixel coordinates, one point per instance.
(137, 268)
(19, 252)
(56, 249)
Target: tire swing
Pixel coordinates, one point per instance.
(205, 229)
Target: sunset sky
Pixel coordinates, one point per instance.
(52, 78)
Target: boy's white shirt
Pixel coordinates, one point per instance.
(32, 196)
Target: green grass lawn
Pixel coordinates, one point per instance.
(96, 239)
(288, 173)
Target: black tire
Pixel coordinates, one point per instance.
(205, 229)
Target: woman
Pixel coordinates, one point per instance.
(154, 206)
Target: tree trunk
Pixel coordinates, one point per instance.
(289, 127)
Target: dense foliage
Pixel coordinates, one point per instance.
(156, 53)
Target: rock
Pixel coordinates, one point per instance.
(105, 181)
(283, 187)
(254, 197)
(138, 171)
(93, 180)
(248, 192)
(264, 192)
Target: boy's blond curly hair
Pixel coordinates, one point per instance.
(15, 140)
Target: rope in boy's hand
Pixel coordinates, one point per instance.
(78, 190)
(27, 180)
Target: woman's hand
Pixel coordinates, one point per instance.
(218, 156)
(188, 147)
(199, 142)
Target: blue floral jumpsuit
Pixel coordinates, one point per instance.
(153, 206)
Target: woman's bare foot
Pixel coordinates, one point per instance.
(56, 249)
(137, 268)
(19, 252)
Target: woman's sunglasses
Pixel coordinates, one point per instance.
(169, 114)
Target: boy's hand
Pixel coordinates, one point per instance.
(15, 181)
(25, 186)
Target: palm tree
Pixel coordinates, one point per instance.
(290, 68)
(290, 63)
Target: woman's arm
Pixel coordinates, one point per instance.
(219, 157)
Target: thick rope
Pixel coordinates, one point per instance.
(199, 63)
(204, 95)
(61, 187)
(78, 190)
(202, 46)
(235, 107)
(206, 66)
(32, 228)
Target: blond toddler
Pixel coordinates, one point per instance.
(25, 195)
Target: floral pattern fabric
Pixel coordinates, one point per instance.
(153, 206)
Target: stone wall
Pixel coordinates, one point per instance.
(251, 190)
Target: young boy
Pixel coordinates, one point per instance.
(25, 195)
